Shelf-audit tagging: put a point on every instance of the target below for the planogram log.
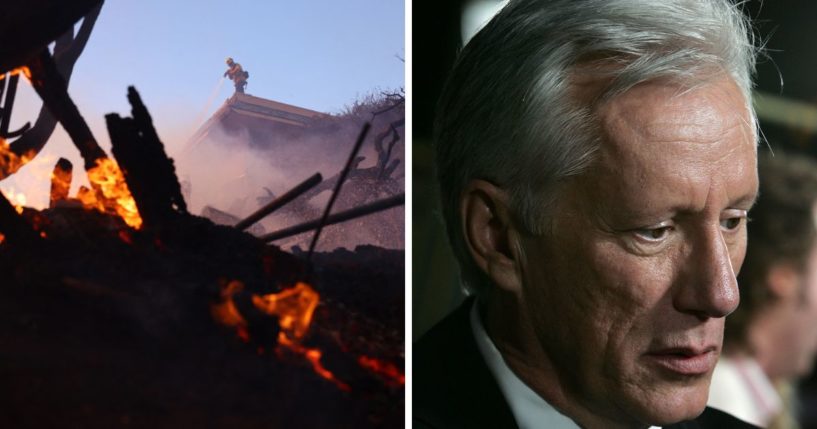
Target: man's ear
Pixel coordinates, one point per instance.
(783, 280)
(490, 233)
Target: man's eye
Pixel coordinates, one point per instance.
(734, 220)
(653, 234)
(731, 223)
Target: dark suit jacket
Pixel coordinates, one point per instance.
(453, 387)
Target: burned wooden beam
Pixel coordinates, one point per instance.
(338, 185)
(50, 86)
(61, 178)
(280, 201)
(149, 172)
(66, 51)
(343, 216)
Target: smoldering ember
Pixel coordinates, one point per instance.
(121, 308)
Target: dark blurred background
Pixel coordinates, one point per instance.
(785, 99)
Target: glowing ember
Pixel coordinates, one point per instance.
(108, 179)
(314, 357)
(225, 310)
(2, 238)
(385, 369)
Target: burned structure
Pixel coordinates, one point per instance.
(121, 308)
(289, 137)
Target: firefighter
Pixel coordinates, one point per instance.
(237, 75)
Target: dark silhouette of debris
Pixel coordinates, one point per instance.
(67, 50)
(50, 86)
(343, 216)
(149, 172)
(338, 185)
(279, 202)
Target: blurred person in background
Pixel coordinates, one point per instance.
(771, 339)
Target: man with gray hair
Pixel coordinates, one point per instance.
(596, 161)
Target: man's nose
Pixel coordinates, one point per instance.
(708, 287)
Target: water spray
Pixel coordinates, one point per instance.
(200, 118)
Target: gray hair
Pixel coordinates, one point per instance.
(507, 115)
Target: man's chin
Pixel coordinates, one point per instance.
(674, 404)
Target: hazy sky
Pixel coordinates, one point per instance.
(317, 54)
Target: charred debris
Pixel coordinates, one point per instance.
(122, 309)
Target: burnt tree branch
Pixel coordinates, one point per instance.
(384, 155)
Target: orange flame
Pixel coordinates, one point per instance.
(294, 308)
(109, 180)
(2, 238)
(60, 185)
(17, 199)
(24, 70)
(10, 162)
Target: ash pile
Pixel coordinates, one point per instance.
(121, 309)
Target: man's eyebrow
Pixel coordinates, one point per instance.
(747, 201)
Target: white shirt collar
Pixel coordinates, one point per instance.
(528, 408)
